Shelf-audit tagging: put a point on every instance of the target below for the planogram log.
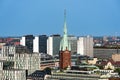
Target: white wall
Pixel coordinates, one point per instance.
(50, 45)
(22, 41)
(85, 46)
(36, 44)
(80, 46)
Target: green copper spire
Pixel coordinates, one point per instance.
(64, 45)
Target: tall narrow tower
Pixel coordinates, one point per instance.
(65, 48)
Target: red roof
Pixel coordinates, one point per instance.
(16, 43)
(117, 63)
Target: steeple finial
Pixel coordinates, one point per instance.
(65, 25)
(65, 14)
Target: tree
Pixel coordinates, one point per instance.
(48, 70)
(117, 70)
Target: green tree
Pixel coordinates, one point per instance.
(48, 70)
(117, 70)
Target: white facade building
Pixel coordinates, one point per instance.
(50, 45)
(85, 46)
(27, 41)
(22, 41)
(36, 44)
(30, 62)
(7, 50)
(13, 74)
(53, 45)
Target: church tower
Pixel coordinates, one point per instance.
(65, 48)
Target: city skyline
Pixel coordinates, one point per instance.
(84, 17)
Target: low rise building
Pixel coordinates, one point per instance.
(37, 75)
(116, 57)
(110, 64)
(16, 63)
(92, 61)
(13, 74)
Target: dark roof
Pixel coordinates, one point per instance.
(37, 74)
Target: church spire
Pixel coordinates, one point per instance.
(64, 45)
(65, 48)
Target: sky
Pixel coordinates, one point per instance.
(38, 17)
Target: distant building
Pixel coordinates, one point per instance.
(73, 43)
(53, 44)
(43, 44)
(23, 41)
(105, 38)
(116, 57)
(11, 50)
(85, 46)
(105, 53)
(27, 40)
(36, 44)
(40, 44)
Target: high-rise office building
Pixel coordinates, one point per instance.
(36, 44)
(73, 43)
(40, 44)
(65, 49)
(22, 41)
(27, 41)
(53, 44)
(85, 46)
(43, 43)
